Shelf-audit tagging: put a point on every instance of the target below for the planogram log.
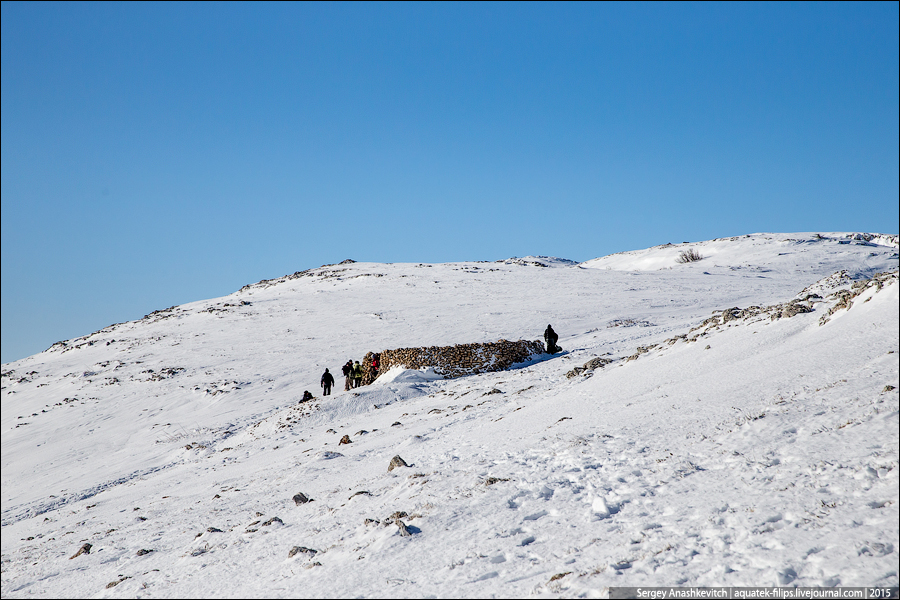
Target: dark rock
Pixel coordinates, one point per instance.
(396, 516)
(730, 314)
(589, 367)
(214, 530)
(596, 363)
(113, 584)
(271, 521)
(300, 498)
(301, 550)
(575, 372)
(493, 480)
(396, 423)
(397, 462)
(404, 532)
(85, 549)
(789, 310)
(360, 493)
(143, 551)
(345, 440)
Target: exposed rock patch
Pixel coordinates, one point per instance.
(404, 531)
(397, 462)
(458, 360)
(302, 550)
(589, 367)
(845, 297)
(113, 584)
(85, 549)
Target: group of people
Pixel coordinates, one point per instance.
(354, 372)
(353, 377)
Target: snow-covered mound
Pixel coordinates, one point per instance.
(722, 435)
(399, 374)
(764, 253)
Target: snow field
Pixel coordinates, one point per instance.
(770, 458)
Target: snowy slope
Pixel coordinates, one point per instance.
(763, 252)
(763, 453)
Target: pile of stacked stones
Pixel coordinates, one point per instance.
(455, 361)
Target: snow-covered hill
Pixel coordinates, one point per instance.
(758, 449)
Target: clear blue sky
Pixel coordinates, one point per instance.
(155, 154)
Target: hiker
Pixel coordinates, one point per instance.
(550, 337)
(374, 367)
(306, 396)
(327, 382)
(357, 374)
(347, 369)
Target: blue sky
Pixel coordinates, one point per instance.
(159, 153)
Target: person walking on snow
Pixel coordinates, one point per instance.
(327, 382)
(550, 337)
(357, 374)
(347, 370)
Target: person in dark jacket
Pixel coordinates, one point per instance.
(550, 337)
(347, 370)
(306, 396)
(327, 382)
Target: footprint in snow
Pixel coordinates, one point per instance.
(536, 516)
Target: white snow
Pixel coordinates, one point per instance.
(764, 453)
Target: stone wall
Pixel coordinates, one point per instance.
(458, 360)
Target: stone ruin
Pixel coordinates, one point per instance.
(455, 361)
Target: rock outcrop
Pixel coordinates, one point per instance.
(458, 360)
